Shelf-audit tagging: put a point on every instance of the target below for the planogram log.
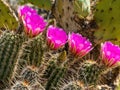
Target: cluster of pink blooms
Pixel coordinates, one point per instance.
(57, 37)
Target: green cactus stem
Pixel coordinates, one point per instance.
(10, 44)
(89, 72)
(57, 74)
(32, 52)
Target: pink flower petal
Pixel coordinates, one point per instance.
(110, 53)
(56, 36)
(34, 23)
(79, 45)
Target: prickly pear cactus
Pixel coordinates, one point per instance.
(10, 43)
(82, 8)
(107, 17)
(7, 17)
(45, 4)
(64, 14)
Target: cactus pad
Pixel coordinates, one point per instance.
(7, 20)
(82, 7)
(45, 4)
(107, 16)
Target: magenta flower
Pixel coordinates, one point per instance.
(79, 45)
(23, 10)
(56, 37)
(110, 54)
(34, 24)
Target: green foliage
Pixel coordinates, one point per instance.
(10, 44)
(7, 20)
(107, 16)
(45, 4)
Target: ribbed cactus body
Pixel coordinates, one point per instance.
(29, 75)
(89, 72)
(10, 44)
(31, 52)
(69, 82)
(64, 12)
(49, 69)
(56, 75)
(37, 86)
(108, 20)
(55, 62)
(72, 86)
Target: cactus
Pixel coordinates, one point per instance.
(45, 4)
(63, 11)
(10, 44)
(7, 17)
(57, 74)
(20, 86)
(71, 86)
(107, 18)
(37, 86)
(29, 75)
(32, 65)
(89, 72)
(32, 52)
(55, 70)
(69, 82)
(82, 7)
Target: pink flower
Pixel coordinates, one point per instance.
(110, 54)
(34, 24)
(79, 45)
(23, 10)
(56, 37)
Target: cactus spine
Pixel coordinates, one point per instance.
(10, 44)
